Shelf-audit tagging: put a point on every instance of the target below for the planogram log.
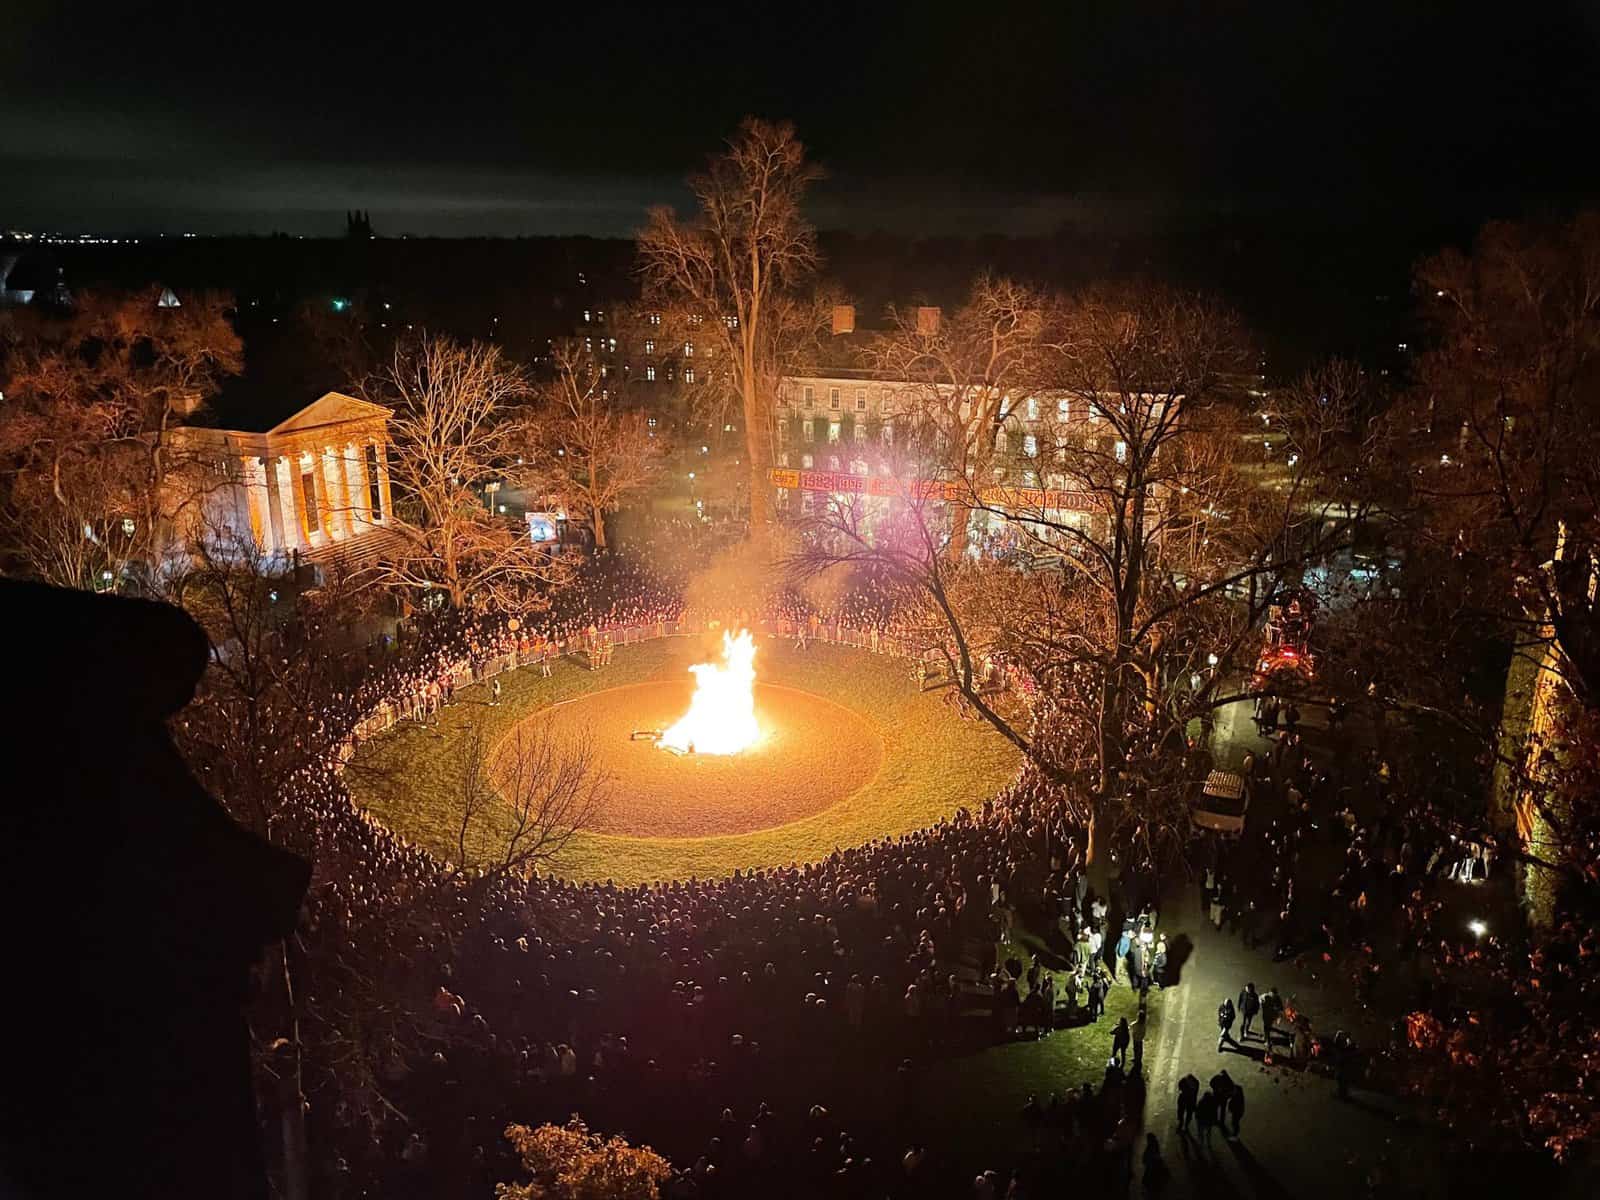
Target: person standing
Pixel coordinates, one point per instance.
(494, 693)
(1121, 1036)
(1249, 1007)
(1236, 1108)
(1206, 1115)
(1188, 1097)
(1225, 1019)
(1271, 1007)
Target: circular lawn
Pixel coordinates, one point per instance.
(851, 750)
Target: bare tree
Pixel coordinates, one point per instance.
(1133, 547)
(460, 419)
(522, 801)
(593, 452)
(93, 483)
(732, 266)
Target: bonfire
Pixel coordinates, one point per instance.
(722, 713)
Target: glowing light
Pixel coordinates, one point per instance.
(722, 713)
(1478, 928)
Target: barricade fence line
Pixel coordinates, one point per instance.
(423, 701)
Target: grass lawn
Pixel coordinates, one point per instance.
(932, 763)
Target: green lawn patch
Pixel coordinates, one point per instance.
(933, 763)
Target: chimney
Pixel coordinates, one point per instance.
(927, 321)
(844, 318)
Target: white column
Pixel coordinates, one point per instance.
(282, 508)
(355, 475)
(333, 505)
(256, 493)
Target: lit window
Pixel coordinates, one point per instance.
(811, 431)
(883, 400)
(650, 374)
(731, 322)
(833, 399)
(783, 459)
(833, 462)
(649, 345)
(806, 461)
(833, 431)
(808, 396)
(652, 422)
(1030, 445)
(655, 318)
(604, 371)
(611, 345)
(586, 315)
(688, 349)
(1033, 408)
(888, 434)
(861, 431)
(1122, 451)
(861, 399)
(783, 396)
(694, 320)
(688, 374)
(1000, 441)
(1062, 409)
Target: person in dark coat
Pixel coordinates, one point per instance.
(1121, 1038)
(1271, 1010)
(1236, 1107)
(1206, 1112)
(1225, 1019)
(1188, 1097)
(1249, 1007)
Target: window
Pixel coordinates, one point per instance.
(1000, 441)
(833, 399)
(811, 431)
(1122, 451)
(861, 399)
(861, 431)
(650, 373)
(694, 320)
(783, 396)
(652, 422)
(805, 461)
(649, 345)
(809, 396)
(611, 345)
(604, 370)
(1030, 445)
(1033, 408)
(731, 322)
(1063, 410)
(883, 400)
(783, 431)
(374, 484)
(688, 349)
(783, 459)
(858, 466)
(688, 374)
(888, 434)
(833, 432)
(655, 319)
(586, 316)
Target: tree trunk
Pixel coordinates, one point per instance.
(599, 530)
(1092, 837)
(960, 519)
(758, 450)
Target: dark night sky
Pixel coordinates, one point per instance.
(981, 117)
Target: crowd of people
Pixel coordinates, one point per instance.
(446, 1008)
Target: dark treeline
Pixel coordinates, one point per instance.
(1306, 293)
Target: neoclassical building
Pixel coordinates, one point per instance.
(312, 488)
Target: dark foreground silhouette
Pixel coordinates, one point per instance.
(133, 910)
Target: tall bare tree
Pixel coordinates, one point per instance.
(1134, 545)
(460, 419)
(593, 452)
(733, 264)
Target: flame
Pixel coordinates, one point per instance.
(722, 713)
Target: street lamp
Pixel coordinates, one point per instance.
(1478, 928)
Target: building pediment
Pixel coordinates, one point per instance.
(334, 408)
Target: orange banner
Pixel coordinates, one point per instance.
(928, 489)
